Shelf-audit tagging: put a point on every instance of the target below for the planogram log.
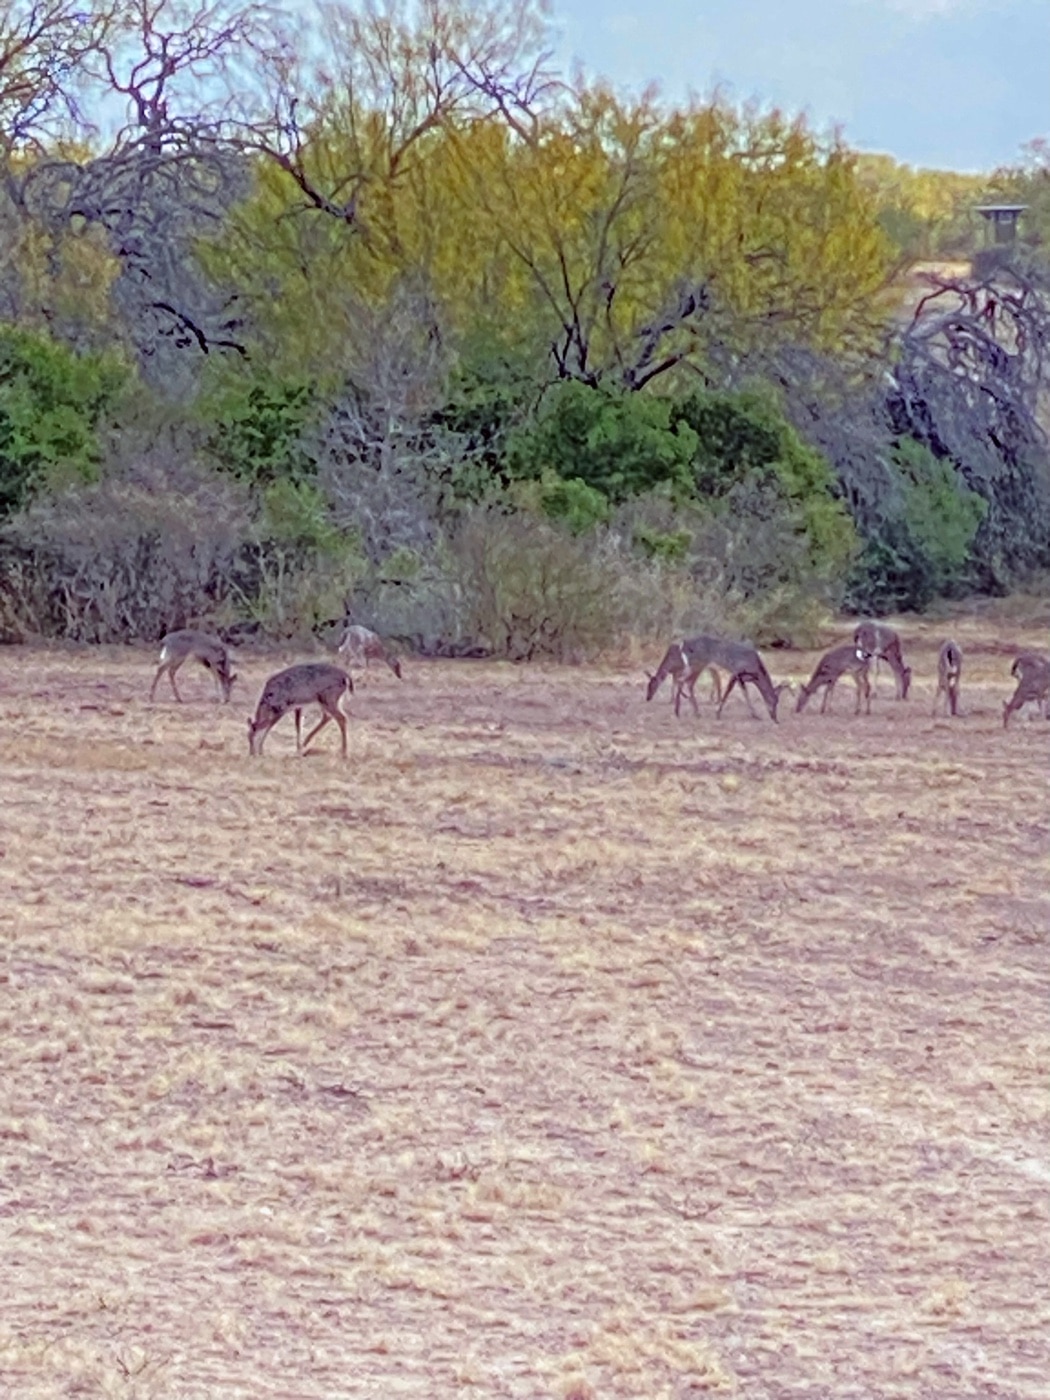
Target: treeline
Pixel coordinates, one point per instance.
(372, 311)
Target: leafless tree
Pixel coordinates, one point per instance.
(43, 48)
(969, 383)
(378, 463)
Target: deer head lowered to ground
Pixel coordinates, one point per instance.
(313, 683)
(178, 647)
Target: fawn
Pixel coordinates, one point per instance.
(841, 661)
(177, 647)
(313, 683)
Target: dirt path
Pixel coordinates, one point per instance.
(551, 1047)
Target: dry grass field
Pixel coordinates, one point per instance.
(550, 1047)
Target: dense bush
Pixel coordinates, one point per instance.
(51, 403)
(617, 444)
(256, 424)
(126, 559)
(750, 462)
(141, 552)
(922, 546)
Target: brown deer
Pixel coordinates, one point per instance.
(360, 646)
(744, 664)
(313, 683)
(1032, 670)
(680, 662)
(178, 647)
(881, 643)
(841, 661)
(949, 675)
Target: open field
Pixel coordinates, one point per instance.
(550, 1047)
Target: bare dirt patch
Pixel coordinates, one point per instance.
(549, 1047)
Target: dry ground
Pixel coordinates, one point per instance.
(550, 1047)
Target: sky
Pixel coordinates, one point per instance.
(949, 84)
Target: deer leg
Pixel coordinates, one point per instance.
(173, 666)
(733, 680)
(326, 717)
(690, 687)
(215, 677)
(160, 671)
(828, 688)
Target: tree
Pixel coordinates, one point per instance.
(348, 128)
(43, 48)
(968, 385)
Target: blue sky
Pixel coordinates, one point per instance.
(955, 84)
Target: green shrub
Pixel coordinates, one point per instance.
(751, 463)
(51, 404)
(255, 427)
(617, 444)
(921, 548)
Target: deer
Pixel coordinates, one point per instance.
(881, 643)
(744, 664)
(313, 683)
(949, 674)
(360, 646)
(178, 647)
(1032, 670)
(846, 660)
(678, 663)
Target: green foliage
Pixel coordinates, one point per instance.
(749, 458)
(295, 512)
(574, 503)
(670, 546)
(617, 444)
(943, 516)
(256, 424)
(922, 550)
(51, 404)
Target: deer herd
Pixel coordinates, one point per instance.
(873, 642)
(684, 662)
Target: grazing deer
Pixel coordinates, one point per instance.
(678, 663)
(314, 683)
(177, 647)
(949, 674)
(1032, 670)
(744, 664)
(881, 643)
(841, 661)
(360, 646)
